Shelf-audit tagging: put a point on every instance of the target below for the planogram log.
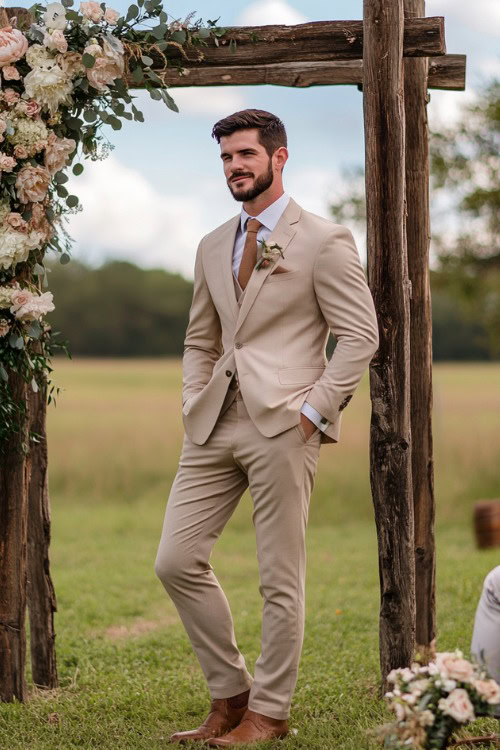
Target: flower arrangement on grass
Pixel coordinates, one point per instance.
(61, 80)
(432, 701)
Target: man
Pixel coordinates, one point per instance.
(259, 398)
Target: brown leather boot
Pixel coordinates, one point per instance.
(225, 713)
(253, 727)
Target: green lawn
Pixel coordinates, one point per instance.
(128, 677)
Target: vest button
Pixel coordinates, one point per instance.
(228, 373)
(238, 345)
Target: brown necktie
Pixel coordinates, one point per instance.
(249, 257)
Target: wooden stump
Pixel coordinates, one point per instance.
(487, 523)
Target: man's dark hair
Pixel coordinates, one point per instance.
(271, 132)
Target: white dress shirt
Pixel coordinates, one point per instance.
(269, 217)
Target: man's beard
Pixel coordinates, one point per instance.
(263, 182)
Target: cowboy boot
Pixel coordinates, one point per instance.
(225, 714)
(253, 727)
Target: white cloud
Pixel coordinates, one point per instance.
(263, 12)
(483, 17)
(445, 108)
(211, 101)
(124, 216)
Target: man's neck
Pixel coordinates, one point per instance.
(261, 202)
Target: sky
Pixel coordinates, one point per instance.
(162, 187)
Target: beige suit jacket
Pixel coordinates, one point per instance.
(277, 337)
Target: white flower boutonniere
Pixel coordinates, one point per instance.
(270, 254)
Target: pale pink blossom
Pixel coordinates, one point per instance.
(7, 163)
(16, 221)
(92, 11)
(32, 183)
(451, 666)
(13, 45)
(11, 73)
(111, 16)
(20, 151)
(71, 63)
(458, 706)
(11, 96)
(489, 690)
(55, 40)
(57, 152)
(4, 327)
(29, 306)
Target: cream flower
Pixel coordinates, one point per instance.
(50, 87)
(11, 73)
(107, 67)
(4, 327)
(38, 56)
(55, 16)
(32, 183)
(57, 152)
(31, 133)
(7, 163)
(11, 96)
(92, 11)
(29, 306)
(111, 16)
(55, 40)
(458, 706)
(13, 45)
(20, 152)
(15, 246)
(6, 293)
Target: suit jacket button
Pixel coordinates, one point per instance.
(238, 345)
(228, 373)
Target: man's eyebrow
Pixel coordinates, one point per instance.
(240, 150)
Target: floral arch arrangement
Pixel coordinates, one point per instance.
(62, 79)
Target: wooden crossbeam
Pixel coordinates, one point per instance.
(313, 42)
(445, 72)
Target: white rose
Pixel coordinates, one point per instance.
(458, 706)
(454, 667)
(489, 690)
(29, 306)
(55, 16)
(426, 718)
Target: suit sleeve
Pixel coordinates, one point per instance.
(347, 305)
(203, 340)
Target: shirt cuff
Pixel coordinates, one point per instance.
(314, 415)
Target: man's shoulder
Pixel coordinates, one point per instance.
(321, 225)
(221, 229)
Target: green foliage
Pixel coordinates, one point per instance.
(119, 309)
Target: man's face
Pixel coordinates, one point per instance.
(247, 167)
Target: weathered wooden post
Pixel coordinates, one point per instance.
(418, 238)
(14, 482)
(390, 436)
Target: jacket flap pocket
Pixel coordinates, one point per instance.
(291, 375)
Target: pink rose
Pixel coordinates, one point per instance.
(16, 221)
(92, 11)
(11, 73)
(7, 163)
(11, 96)
(31, 107)
(71, 63)
(21, 297)
(458, 706)
(453, 667)
(489, 690)
(3, 126)
(57, 152)
(32, 183)
(56, 40)
(20, 151)
(111, 16)
(13, 45)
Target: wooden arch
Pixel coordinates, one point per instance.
(394, 55)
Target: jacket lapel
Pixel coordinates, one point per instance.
(282, 234)
(226, 257)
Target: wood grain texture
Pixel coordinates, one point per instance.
(446, 72)
(40, 593)
(14, 481)
(390, 436)
(418, 239)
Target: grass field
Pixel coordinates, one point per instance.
(128, 677)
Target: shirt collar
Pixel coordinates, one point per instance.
(270, 216)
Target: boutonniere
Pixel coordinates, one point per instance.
(270, 254)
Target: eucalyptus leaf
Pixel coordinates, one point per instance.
(64, 259)
(38, 269)
(155, 94)
(78, 169)
(72, 200)
(61, 191)
(169, 101)
(159, 31)
(152, 75)
(203, 33)
(88, 60)
(179, 36)
(89, 115)
(4, 374)
(133, 12)
(34, 385)
(147, 60)
(34, 329)
(60, 177)
(74, 123)
(138, 75)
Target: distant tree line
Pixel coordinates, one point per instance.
(121, 310)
